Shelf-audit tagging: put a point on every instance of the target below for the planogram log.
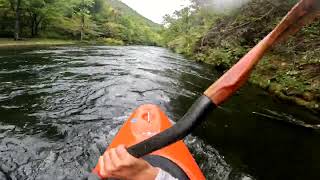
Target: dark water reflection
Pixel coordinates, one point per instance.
(60, 107)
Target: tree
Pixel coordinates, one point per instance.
(3, 4)
(83, 11)
(36, 11)
(17, 21)
(186, 26)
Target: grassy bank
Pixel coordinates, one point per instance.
(4, 43)
(7, 43)
(293, 80)
(293, 77)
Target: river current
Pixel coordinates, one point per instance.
(60, 107)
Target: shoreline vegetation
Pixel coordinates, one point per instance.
(290, 71)
(7, 43)
(32, 42)
(293, 82)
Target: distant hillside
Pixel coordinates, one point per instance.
(128, 11)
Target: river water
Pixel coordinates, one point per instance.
(61, 106)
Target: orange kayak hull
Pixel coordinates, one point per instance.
(146, 121)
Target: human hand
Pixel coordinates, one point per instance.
(118, 163)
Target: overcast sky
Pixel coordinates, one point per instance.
(156, 9)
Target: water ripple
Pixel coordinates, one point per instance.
(62, 106)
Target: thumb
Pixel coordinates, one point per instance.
(102, 172)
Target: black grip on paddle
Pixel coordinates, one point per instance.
(194, 116)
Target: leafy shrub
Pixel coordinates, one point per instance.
(111, 41)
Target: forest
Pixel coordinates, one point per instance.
(108, 21)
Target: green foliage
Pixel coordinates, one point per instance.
(4, 3)
(111, 41)
(291, 68)
(126, 11)
(219, 57)
(72, 19)
(34, 42)
(185, 27)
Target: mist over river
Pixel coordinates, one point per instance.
(60, 107)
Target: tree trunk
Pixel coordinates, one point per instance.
(17, 22)
(82, 28)
(35, 22)
(32, 25)
(32, 29)
(36, 28)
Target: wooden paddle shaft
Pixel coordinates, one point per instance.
(233, 79)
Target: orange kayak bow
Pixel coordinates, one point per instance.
(149, 132)
(147, 121)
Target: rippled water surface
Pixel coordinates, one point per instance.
(60, 108)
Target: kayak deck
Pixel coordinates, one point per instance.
(149, 120)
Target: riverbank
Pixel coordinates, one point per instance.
(5, 43)
(291, 77)
(291, 80)
(290, 71)
(294, 78)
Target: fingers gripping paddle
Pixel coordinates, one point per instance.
(229, 83)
